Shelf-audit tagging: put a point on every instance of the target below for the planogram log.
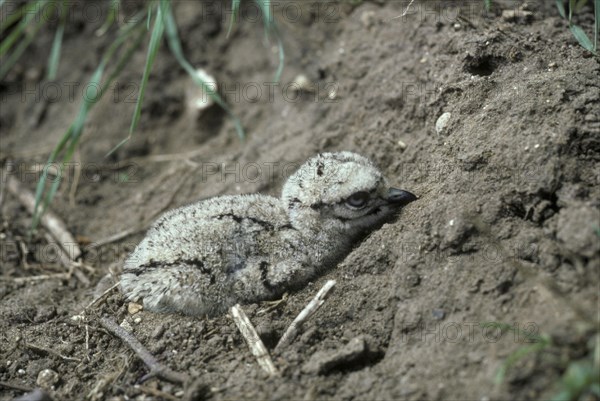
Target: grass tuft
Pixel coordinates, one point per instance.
(26, 22)
(574, 7)
(67, 145)
(536, 343)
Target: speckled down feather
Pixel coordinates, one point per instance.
(202, 258)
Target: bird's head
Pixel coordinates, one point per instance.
(343, 192)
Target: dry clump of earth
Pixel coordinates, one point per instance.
(493, 121)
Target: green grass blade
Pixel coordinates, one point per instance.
(176, 49)
(20, 30)
(488, 5)
(582, 38)
(148, 18)
(37, 213)
(155, 39)
(235, 9)
(110, 17)
(281, 56)
(271, 27)
(571, 8)
(124, 60)
(265, 8)
(561, 8)
(596, 23)
(154, 45)
(73, 133)
(516, 356)
(54, 58)
(17, 15)
(579, 5)
(18, 52)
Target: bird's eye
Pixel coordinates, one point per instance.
(358, 200)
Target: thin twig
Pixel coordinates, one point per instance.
(101, 297)
(66, 261)
(15, 386)
(254, 342)
(40, 348)
(306, 313)
(2, 191)
(405, 10)
(116, 237)
(51, 221)
(61, 276)
(87, 339)
(156, 368)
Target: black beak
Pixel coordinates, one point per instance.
(400, 197)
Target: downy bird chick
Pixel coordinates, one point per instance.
(202, 258)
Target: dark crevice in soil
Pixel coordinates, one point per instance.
(482, 65)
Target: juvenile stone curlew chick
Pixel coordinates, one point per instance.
(203, 258)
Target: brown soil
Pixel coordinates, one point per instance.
(504, 230)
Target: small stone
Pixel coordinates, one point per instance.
(402, 145)
(302, 84)
(137, 320)
(33, 74)
(134, 308)
(200, 98)
(438, 314)
(78, 318)
(442, 122)
(126, 325)
(47, 378)
(332, 95)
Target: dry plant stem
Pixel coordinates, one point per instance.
(15, 386)
(51, 352)
(61, 276)
(68, 263)
(156, 368)
(116, 237)
(101, 297)
(52, 222)
(2, 191)
(303, 316)
(405, 10)
(254, 342)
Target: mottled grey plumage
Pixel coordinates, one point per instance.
(207, 256)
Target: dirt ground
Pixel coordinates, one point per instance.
(506, 229)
